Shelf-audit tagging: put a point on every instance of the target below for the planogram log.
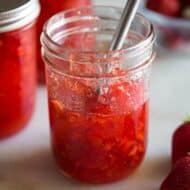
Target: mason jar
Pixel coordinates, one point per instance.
(98, 99)
(18, 64)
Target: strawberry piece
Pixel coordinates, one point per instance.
(179, 177)
(168, 8)
(181, 142)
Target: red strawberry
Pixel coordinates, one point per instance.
(179, 177)
(166, 7)
(181, 142)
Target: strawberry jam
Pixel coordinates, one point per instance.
(18, 64)
(17, 79)
(104, 141)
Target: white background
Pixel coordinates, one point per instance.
(26, 161)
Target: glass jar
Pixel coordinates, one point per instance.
(18, 61)
(98, 99)
(49, 8)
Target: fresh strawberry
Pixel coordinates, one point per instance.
(179, 177)
(169, 8)
(181, 142)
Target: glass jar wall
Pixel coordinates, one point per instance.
(98, 99)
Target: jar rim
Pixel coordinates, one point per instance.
(146, 42)
(23, 13)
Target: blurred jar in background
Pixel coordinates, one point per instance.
(18, 64)
(172, 20)
(49, 8)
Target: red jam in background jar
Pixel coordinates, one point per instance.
(18, 66)
(98, 100)
(49, 8)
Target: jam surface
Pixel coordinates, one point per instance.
(17, 78)
(97, 138)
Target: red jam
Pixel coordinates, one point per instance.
(49, 8)
(98, 139)
(17, 78)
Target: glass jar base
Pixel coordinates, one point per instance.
(90, 179)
